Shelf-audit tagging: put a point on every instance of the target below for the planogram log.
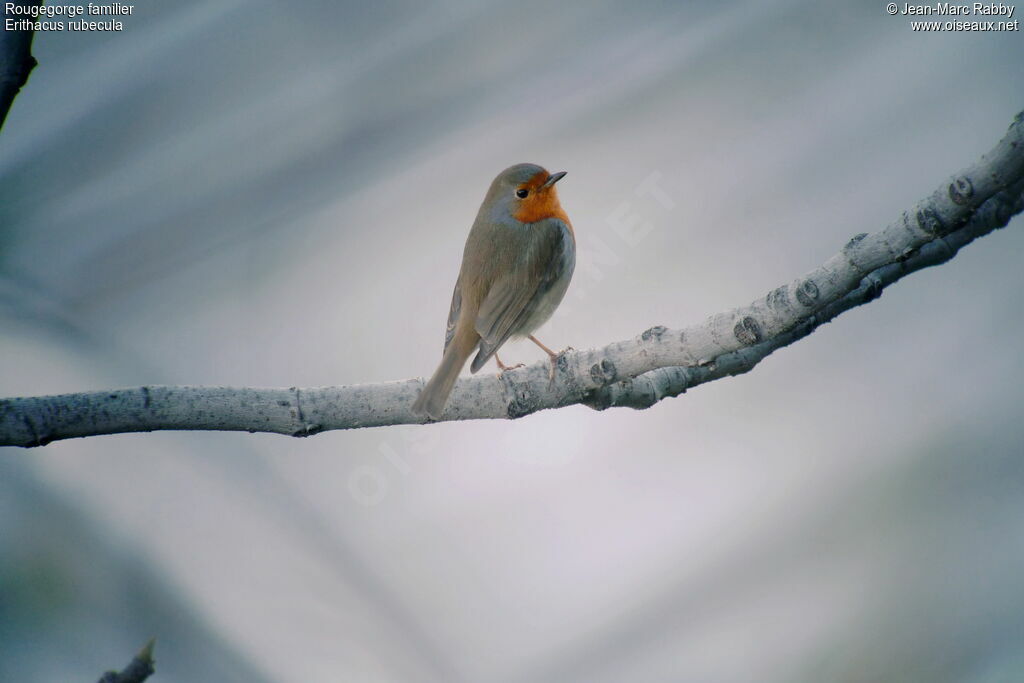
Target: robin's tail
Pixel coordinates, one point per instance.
(433, 397)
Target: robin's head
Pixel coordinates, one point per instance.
(526, 193)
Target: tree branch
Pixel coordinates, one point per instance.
(636, 373)
(16, 60)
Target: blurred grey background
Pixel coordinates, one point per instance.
(275, 194)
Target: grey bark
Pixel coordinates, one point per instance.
(637, 373)
(16, 60)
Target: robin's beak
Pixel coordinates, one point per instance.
(553, 178)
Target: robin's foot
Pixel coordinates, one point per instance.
(502, 368)
(552, 356)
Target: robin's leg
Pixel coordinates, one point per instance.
(551, 355)
(502, 368)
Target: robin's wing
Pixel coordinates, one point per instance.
(453, 314)
(512, 299)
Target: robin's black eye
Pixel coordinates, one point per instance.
(521, 193)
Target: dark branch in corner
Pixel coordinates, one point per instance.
(16, 60)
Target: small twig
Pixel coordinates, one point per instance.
(139, 669)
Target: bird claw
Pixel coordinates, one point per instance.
(552, 356)
(502, 369)
(553, 367)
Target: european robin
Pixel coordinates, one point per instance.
(516, 266)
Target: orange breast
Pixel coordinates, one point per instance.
(541, 203)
